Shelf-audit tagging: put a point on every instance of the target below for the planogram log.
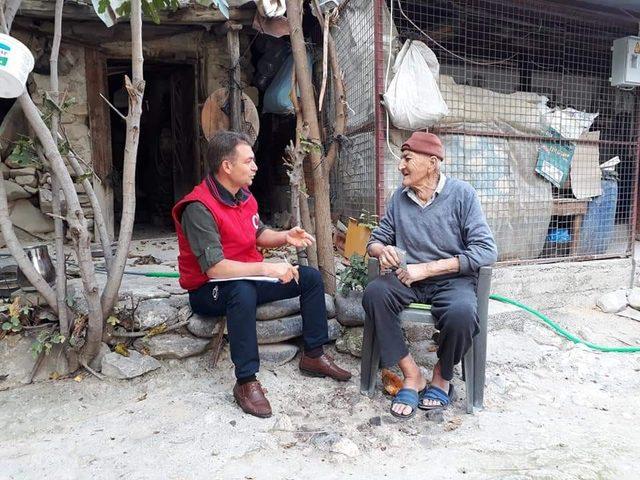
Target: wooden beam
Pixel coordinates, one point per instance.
(235, 92)
(100, 126)
(193, 15)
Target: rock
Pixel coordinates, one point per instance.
(15, 191)
(115, 365)
(436, 416)
(172, 345)
(424, 352)
(349, 309)
(351, 341)
(96, 363)
(346, 447)
(325, 440)
(612, 302)
(27, 217)
(46, 315)
(16, 361)
(332, 442)
(634, 298)
(19, 172)
(416, 332)
(277, 353)
(30, 190)
(288, 307)
(281, 329)
(30, 298)
(6, 171)
(29, 180)
(154, 312)
(375, 421)
(204, 327)
(330, 305)
(184, 313)
(283, 424)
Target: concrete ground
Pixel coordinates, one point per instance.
(553, 410)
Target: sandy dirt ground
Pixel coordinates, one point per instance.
(553, 411)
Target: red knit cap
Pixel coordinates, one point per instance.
(425, 143)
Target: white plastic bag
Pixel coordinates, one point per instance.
(271, 8)
(413, 98)
(568, 122)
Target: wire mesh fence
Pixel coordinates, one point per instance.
(532, 118)
(353, 177)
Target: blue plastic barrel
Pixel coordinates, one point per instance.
(597, 225)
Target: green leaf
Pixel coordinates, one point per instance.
(6, 326)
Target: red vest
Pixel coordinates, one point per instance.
(237, 226)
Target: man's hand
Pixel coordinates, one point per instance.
(283, 271)
(299, 238)
(413, 273)
(389, 258)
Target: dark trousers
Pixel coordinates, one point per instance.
(239, 299)
(453, 305)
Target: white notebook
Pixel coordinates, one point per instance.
(256, 278)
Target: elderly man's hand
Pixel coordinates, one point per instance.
(413, 273)
(389, 258)
(299, 238)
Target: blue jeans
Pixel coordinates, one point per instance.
(239, 299)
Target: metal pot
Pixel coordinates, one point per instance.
(41, 261)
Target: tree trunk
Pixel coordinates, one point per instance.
(320, 172)
(61, 276)
(303, 199)
(98, 219)
(135, 89)
(10, 11)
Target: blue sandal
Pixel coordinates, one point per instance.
(410, 398)
(438, 395)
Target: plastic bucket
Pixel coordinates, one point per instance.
(16, 62)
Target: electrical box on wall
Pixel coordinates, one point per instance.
(625, 62)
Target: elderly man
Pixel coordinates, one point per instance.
(219, 230)
(436, 225)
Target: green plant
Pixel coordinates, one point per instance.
(45, 341)
(354, 276)
(368, 219)
(24, 153)
(11, 315)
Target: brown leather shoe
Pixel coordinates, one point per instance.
(323, 366)
(251, 399)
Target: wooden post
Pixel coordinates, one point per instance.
(235, 93)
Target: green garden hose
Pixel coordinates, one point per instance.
(561, 331)
(499, 298)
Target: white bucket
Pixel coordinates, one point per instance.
(16, 62)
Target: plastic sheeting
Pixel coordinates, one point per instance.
(516, 202)
(522, 111)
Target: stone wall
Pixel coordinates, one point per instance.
(29, 187)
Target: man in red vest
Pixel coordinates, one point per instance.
(219, 230)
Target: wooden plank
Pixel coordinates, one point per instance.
(193, 15)
(235, 93)
(100, 127)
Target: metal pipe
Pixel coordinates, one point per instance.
(379, 135)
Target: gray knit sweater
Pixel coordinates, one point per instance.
(453, 225)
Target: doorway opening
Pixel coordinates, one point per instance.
(168, 164)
